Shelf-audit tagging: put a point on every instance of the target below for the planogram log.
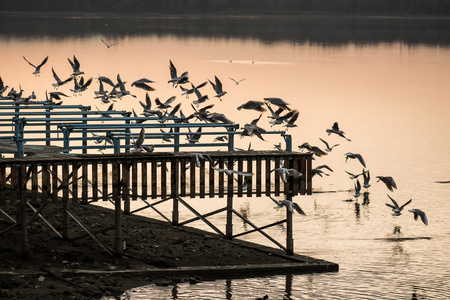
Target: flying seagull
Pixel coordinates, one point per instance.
(278, 102)
(175, 80)
(108, 45)
(284, 173)
(37, 69)
(289, 204)
(418, 213)
(217, 86)
(59, 82)
(328, 148)
(237, 81)
(254, 105)
(335, 129)
(355, 156)
(75, 66)
(388, 181)
(397, 210)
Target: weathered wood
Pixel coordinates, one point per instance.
(105, 177)
(164, 178)
(277, 177)
(202, 178)
(309, 175)
(249, 179)
(94, 181)
(154, 179)
(144, 182)
(192, 178)
(134, 179)
(34, 183)
(75, 166)
(212, 178)
(241, 179)
(268, 160)
(84, 183)
(65, 199)
(183, 177)
(221, 178)
(126, 187)
(55, 182)
(258, 176)
(2, 184)
(45, 182)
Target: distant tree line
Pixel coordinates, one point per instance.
(230, 7)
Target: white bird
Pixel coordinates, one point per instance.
(75, 66)
(278, 102)
(218, 88)
(366, 176)
(201, 157)
(231, 172)
(175, 80)
(289, 204)
(328, 148)
(418, 213)
(284, 173)
(59, 82)
(335, 129)
(388, 181)
(108, 45)
(37, 69)
(397, 210)
(357, 189)
(355, 156)
(237, 81)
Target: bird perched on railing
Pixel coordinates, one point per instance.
(37, 69)
(335, 129)
(396, 209)
(289, 204)
(388, 181)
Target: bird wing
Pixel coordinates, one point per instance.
(170, 100)
(173, 70)
(421, 214)
(294, 118)
(298, 208)
(361, 159)
(218, 85)
(43, 62)
(56, 76)
(213, 85)
(29, 62)
(276, 201)
(140, 139)
(326, 144)
(401, 207)
(395, 202)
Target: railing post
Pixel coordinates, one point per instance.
(84, 134)
(47, 127)
(19, 126)
(288, 141)
(289, 228)
(231, 138)
(174, 191)
(176, 140)
(66, 133)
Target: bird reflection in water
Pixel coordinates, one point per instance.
(245, 212)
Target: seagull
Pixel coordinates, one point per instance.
(166, 104)
(108, 45)
(355, 156)
(328, 148)
(291, 121)
(175, 110)
(138, 143)
(201, 157)
(314, 149)
(202, 113)
(284, 173)
(217, 88)
(53, 95)
(75, 66)
(353, 176)
(166, 137)
(253, 129)
(366, 176)
(388, 181)
(278, 102)
(106, 80)
(3, 87)
(357, 189)
(418, 213)
(192, 90)
(147, 106)
(123, 91)
(200, 97)
(280, 119)
(193, 138)
(237, 81)
(335, 129)
(231, 172)
(175, 80)
(142, 84)
(218, 118)
(255, 105)
(59, 82)
(37, 70)
(221, 138)
(289, 204)
(397, 210)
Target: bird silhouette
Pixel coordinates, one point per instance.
(37, 69)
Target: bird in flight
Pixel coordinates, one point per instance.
(284, 173)
(217, 88)
(418, 213)
(388, 181)
(37, 69)
(335, 129)
(328, 148)
(108, 45)
(237, 81)
(355, 156)
(289, 204)
(397, 210)
(59, 82)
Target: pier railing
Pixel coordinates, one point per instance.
(153, 178)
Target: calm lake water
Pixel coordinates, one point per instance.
(386, 81)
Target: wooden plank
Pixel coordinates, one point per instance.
(230, 178)
(2, 184)
(105, 177)
(288, 184)
(182, 182)
(174, 165)
(154, 179)
(202, 178)
(34, 183)
(75, 181)
(295, 188)
(309, 175)
(126, 186)
(250, 178)
(55, 182)
(134, 179)
(221, 177)
(45, 182)
(192, 178)
(84, 182)
(164, 178)
(65, 181)
(268, 161)
(212, 178)
(144, 184)
(240, 185)
(277, 177)
(94, 181)
(258, 176)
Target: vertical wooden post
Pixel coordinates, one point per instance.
(117, 209)
(65, 200)
(289, 229)
(174, 191)
(125, 187)
(22, 190)
(229, 226)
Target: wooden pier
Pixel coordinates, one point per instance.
(154, 178)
